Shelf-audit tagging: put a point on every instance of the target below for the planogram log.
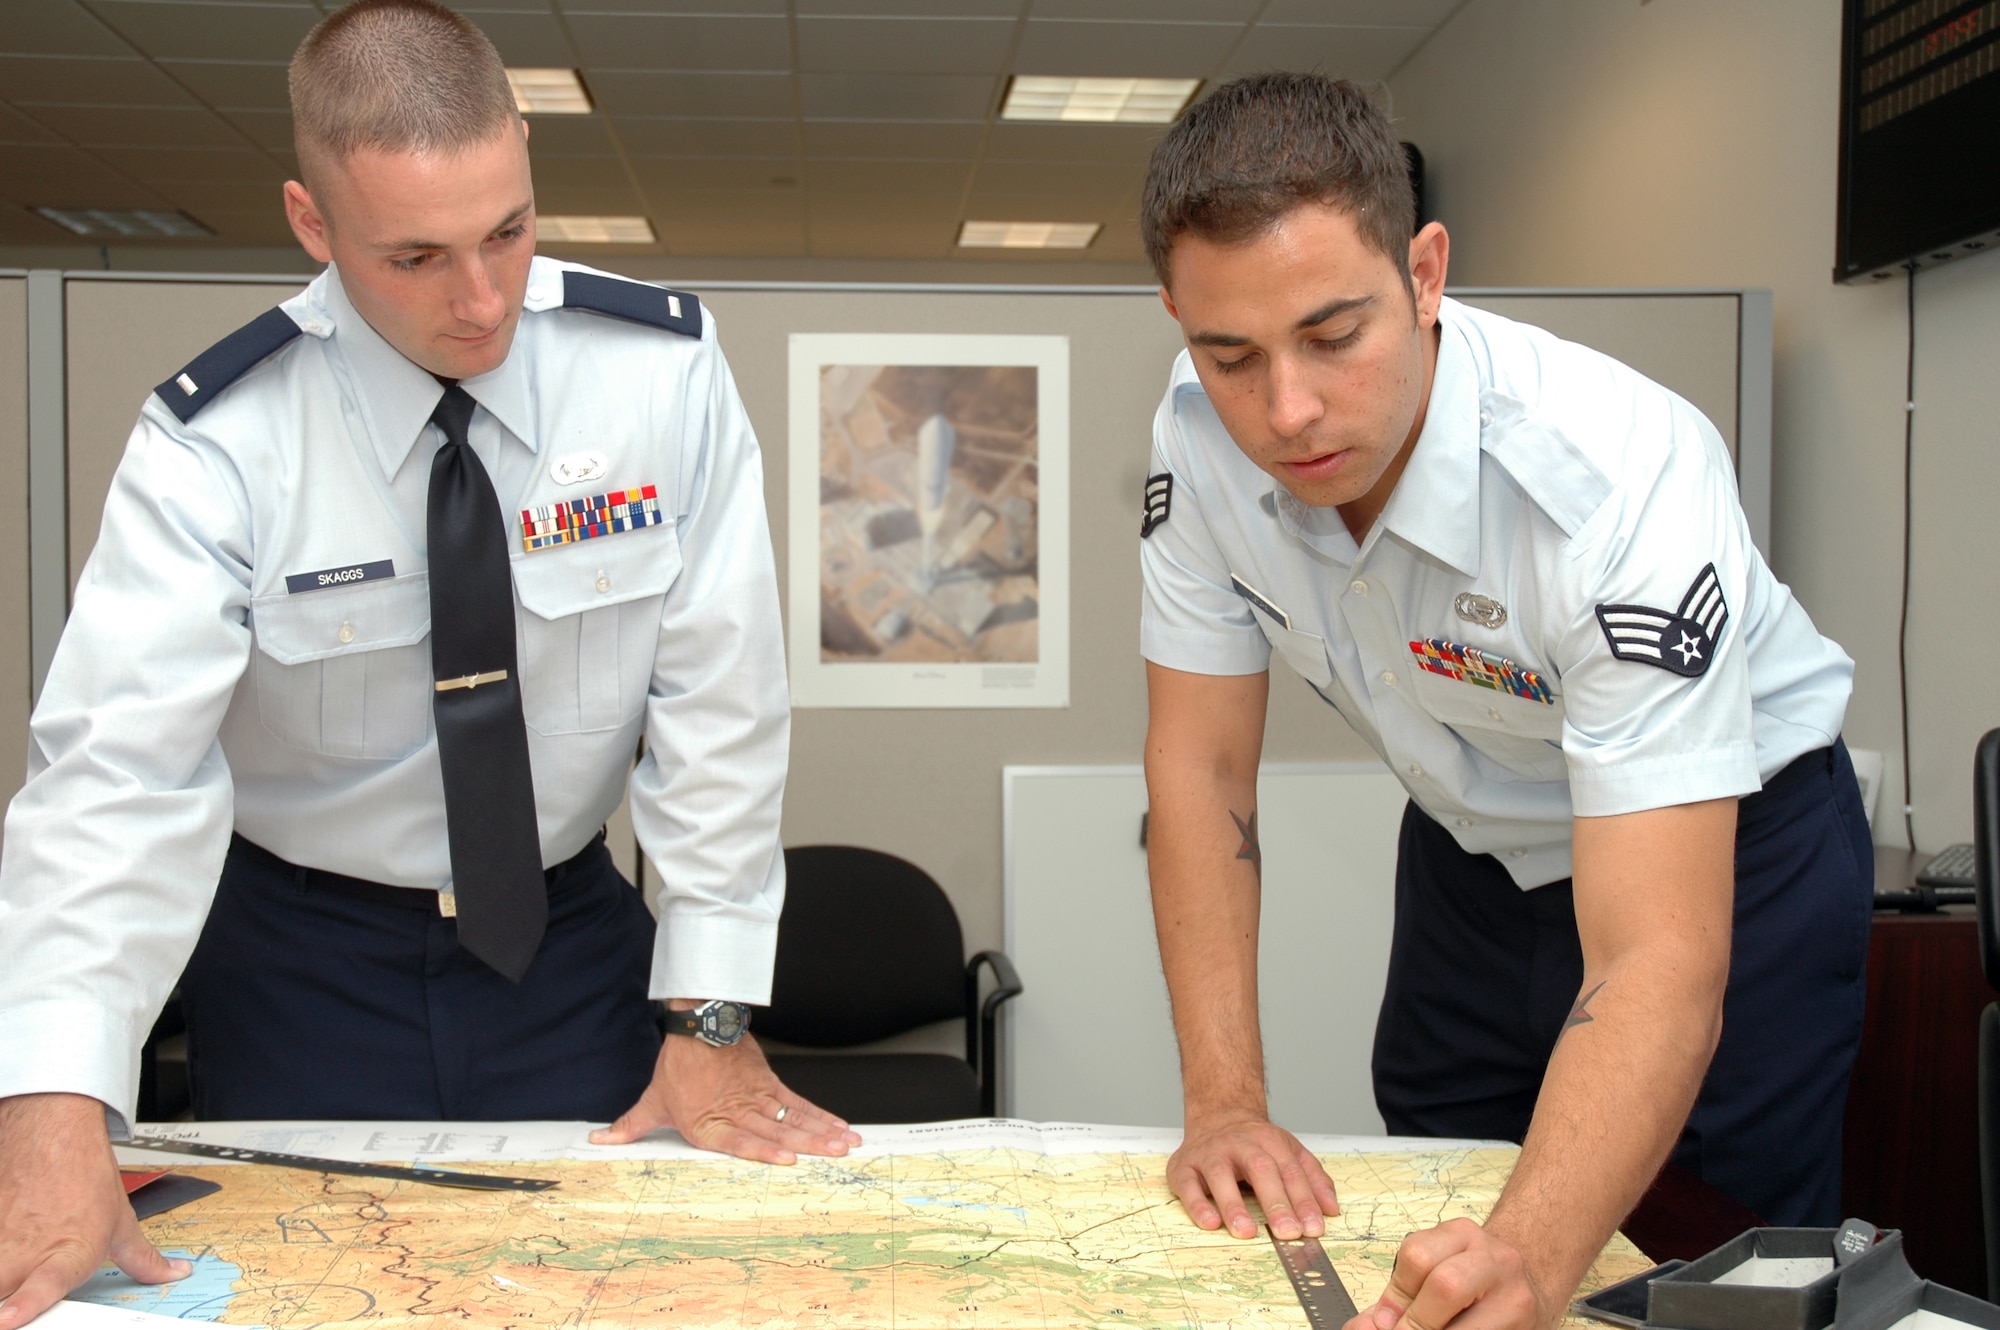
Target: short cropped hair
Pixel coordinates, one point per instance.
(1254, 149)
(395, 75)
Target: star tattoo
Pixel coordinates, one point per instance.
(1249, 849)
(1580, 1013)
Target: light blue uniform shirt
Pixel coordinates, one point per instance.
(1553, 482)
(195, 692)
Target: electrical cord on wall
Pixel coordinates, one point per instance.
(1903, 627)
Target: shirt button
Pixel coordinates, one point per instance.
(1389, 677)
(1518, 854)
(1494, 712)
(1417, 771)
(536, 292)
(1465, 822)
(347, 632)
(603, 582)
(1358, 587)
(1485, 418)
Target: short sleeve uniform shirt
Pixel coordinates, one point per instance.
(1559, 613)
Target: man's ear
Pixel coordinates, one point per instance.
(1168, 300)
(308, 222)
(1430, 254)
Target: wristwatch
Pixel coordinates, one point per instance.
(718, 1023)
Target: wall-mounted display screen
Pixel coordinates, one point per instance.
(1919, 133)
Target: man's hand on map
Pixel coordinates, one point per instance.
(1216, 1156)
(728, 1100)
(1445, 1271)
(62, 1207)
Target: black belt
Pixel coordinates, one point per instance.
(380, 893)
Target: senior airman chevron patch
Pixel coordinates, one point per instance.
(1682, 640)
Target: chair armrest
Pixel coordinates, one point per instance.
(981, 1047)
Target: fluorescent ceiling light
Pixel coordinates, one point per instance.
(125, 223)
(1102, 101)
(595, 230)
(1028, 235)
(549, 92)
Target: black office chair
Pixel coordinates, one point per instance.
(869, 947)
(1986, 894)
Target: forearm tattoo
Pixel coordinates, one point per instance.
(1580, 1013)
(1249, 849)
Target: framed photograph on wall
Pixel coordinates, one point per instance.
(929, 520)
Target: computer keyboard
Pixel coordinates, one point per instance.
(1949, 874)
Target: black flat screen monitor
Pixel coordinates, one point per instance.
(1919, 134)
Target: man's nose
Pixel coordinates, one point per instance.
(478, 300)
(1295, 402)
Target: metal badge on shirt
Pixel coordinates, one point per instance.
(1471, 665)
(586, 519)
(1482, 610)
(1681, 640)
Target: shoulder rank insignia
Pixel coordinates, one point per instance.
(1159, 502)
(1473, 666)
(1681, 640)
(585, 519)
(224, 363)
(635, 302)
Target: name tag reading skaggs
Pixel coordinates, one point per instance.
(327, 578)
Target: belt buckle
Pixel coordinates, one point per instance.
(448, 904)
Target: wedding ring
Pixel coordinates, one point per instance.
(782, 1110)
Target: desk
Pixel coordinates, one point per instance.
(1912, 1132)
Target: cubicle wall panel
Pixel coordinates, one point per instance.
(123, 338)
(14, 645)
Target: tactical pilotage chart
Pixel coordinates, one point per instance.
(980, 1224)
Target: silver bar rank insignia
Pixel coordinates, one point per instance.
(1682, 640)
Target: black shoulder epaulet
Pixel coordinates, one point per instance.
(224, 363)
(676, 311)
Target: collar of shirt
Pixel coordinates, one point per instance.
(401, 394)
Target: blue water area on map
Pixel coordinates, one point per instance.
(203, 1296)
(1015, 1211)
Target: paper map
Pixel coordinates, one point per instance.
(1010, 1233)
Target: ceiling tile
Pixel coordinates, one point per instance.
(664, 136)
(875, 138)
(479, 9)
(533, 40)
(567, 133)
(898, 96)
(881, 240)
(247, 226)
(638, 92)
(751, 173)
(1155, 11)
(905, 45)
(708, 8)
(67, 178)
(824, 175)
(193, 163)
(1081, 179)
(251, 85)
(988, 206)
(558, 171)
(35, 78)
(654, 41)
(1072, 143)
(616, 202)
(209, 31)
(127, 126)
(1124, 50)
(737, 237)
(18, 226)
(1361, 54)
(199, 196)
(1390, 13)
(267, 129)
(18, 128)
(908, 8)
(939, 208)
(56, 27)
(672, 205)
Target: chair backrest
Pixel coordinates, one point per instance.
(1986, 851)
(868, 946)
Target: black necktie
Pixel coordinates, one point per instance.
(489, 791)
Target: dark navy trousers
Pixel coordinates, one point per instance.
(312, 995)
(1482, 975)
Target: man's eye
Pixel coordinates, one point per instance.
(411, 263)
(511, 233)
(1336, 343)
(1231, 366)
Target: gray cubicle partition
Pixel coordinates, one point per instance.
(926, 785)
(15, 662)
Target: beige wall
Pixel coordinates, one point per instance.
(14, 657)
(1694, 142)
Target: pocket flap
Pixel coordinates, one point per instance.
(1304, 652)
(562, 580)
(1469, 705)
(364, 616)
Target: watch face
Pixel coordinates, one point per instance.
(724, 1021)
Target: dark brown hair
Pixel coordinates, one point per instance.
(1254, 149)
(398, 75)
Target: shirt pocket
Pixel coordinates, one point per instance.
(592, 630)
(346, 672)
(1518, 738)
(1304, 652)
